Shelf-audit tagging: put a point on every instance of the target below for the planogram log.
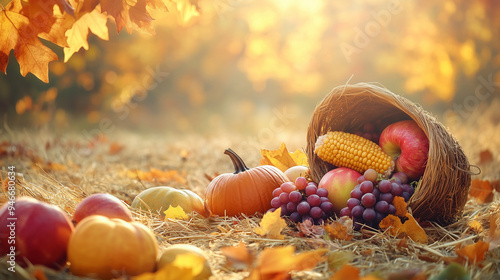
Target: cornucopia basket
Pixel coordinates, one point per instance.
(443, 189)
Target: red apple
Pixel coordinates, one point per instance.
(339, 182)
(34, 232)
(102, 204)
(407, 143)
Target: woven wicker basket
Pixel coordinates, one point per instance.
(444, 186)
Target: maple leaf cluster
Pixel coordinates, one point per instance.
(66, 24)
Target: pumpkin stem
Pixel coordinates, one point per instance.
(238, 163)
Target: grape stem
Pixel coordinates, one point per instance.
(238, 163)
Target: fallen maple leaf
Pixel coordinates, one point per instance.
(410, 227)
(175, 213)
(307, 228)
(346, 272)
(93, 21)
(239, 257)
(482, 190)
(276, 263)
(473, 253)
(340, 229)
(19, 34)
(271, 225)
(282, 159)
(185, 267)
(115, 148)
(400, 205)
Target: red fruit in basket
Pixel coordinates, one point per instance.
(407, 143)
(339, 182)
(41, 233)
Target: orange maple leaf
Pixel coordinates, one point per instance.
(473, 253)
(339, 229)
(276, 263)
(18, 33)
(482, 190)
(132, 14)
(50, 22)
(282, 159)
(239, 257)
(50, 19)
(346, 272)
(400, 205)
(352, 273)
(410, 227)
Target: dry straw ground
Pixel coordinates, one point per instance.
(62, 169)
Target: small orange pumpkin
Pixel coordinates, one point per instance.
(246, 191)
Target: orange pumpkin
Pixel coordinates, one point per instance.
(246, 191)
(108, 248)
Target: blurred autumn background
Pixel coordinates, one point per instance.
(257, 67)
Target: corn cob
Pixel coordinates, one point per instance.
(344, 149)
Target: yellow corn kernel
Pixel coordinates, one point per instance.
(344, 149)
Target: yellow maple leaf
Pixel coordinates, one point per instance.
(185, 267)
(94, 21)
(409, 227)
(282, 159)
(175, 213)
(271, 225)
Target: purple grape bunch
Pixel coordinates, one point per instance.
(301, 201)
(371, 199)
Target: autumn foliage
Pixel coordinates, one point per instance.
(66, 24)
